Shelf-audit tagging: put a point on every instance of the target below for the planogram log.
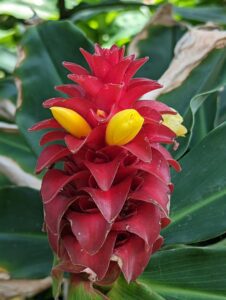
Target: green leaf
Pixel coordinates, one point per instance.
(220, 244)
(46, 46)
(205, 118)
(159, 46)
(13, 146)
(204, 14)
(24, 248)
(8, 95)
(125, 25)
(222, 107)
(133, 291)
(57, 278)
(83, 11)
(198, 202)
(206, 79)
(83, 290)
(4, 181)
(187, 273)
(8, 89)
(7, 59)
(24, 9)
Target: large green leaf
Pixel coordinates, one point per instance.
(107, 27)
(187, 273)
(84, 10)
(13, 146)
(46, 46)
(205, 119)
(184, 273)
(222, 107)
(159, 46)
(215, 14)
(7, 59)
(24, 9)
(133, 291)
(8, 89)
(24, 248)
(206, 79)
(84, 291)
(4, 181)
(8, 95)
(125, 25)
(198, 202)
(202, 79)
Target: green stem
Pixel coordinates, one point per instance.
(62, 9)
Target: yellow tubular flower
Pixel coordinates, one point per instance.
(71, 121)
(123, 127)
(174, 122)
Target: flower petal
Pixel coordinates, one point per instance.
(79, 105)
(54, 211)
(98, 263)
(111, 275)
(95, 140)
(136, 89)
(45, 124)
(117, 72)
(90, 229)
(158, 133)
(55, 180)
(52, 136)
(104, 173)
(133, 257)
(156, 105)
(110, 202)
(140, 147)
(100, 66)
(134, 67)
(158, 166)
(154, 191)
(91, 84)
(50, 155)
(71, 90)
(150, 114)
(145, 223)
(108, 95)
(167, 156)
(75, 68)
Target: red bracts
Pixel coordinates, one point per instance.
(105, 208)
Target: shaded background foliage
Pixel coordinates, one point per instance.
(192, 263)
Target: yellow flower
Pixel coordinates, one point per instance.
(71, 121)
(123, 127)
(174, 122)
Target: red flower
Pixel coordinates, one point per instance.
(104, 210)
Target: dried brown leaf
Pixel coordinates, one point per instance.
(22, 289)
(163, 16)
(13, 171)
(189, 52)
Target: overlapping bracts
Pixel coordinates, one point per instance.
(105, 209)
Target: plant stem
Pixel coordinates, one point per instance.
(62, 9)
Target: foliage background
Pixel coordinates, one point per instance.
(35, 37)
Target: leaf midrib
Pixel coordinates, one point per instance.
(202, 203)
(11, 143)
(8, 236)
(50, 58)
(159, 288)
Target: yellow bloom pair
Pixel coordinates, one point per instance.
(121, 129)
